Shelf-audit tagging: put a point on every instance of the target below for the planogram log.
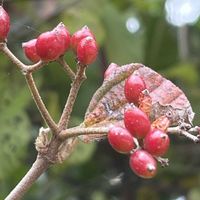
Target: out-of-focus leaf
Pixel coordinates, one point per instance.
(82, 153)
(53, 105)
(194, 194)
(98, 195)
(152, 7)
(14, 133)
(77, 17)
(108, 103)
(186, 72)
(121, 46)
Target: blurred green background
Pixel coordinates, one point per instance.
(127, 31)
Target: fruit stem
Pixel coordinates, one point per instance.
(40, 104)
(66, 67)
(77, 131)
(188, 134)
(79, 78)
(24, 68)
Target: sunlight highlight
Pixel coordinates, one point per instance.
(132, 24)
(182, 12)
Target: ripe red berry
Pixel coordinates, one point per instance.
(110, 69)
(137, 122)
(30, 50)
(63, 35)
(133, 87)
(143, 164)
(87, 51)
(4, 24)
(79, 35)
(156, 142)
(121, 140)
(48, 46)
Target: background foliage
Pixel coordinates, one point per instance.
(95, 171)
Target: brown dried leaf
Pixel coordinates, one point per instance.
(108, 103)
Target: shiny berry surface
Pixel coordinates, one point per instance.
(156, 142)
(120, 139)
(87, 51)
(110, 69)
(48, 46)
(133, 87)
(4, 24)
(63, 35)
(137, 122)
(143, 164)
(30, 50)
(79, 35)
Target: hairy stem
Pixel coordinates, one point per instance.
(77, 131)
(41, 107)
(38, 167)
(66, 67)
(35, 67)
(188, 134)
(79, 78)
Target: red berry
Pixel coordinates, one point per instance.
(63, 35)
(79, 35)
(156, 142)
(120, 139)
(110, 69)
(30, 50)
(143, 164)
(48, 46)
(134, 85)
(87, 51)
(4, 24)
(137, 122)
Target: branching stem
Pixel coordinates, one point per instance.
(24, 68)
(79, 78)
(41, 107)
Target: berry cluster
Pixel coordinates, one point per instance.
(50, 45)
(143, 140)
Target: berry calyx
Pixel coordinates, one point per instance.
(133, 87)
(137, 122)
(110, 69)
(156, 142)
(79, 35)
(143, 164)
(87, 51)
(4, 24)
(30, 50)
(63, 35)
(48, 46)
(120, 139)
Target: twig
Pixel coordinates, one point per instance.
(66, 67)
(35, 67)
(79, 78)
(187, 133)
(12, 57)
(38, 167)
(24, 68)
(77, 131)
(41, 107)
(163, 161)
